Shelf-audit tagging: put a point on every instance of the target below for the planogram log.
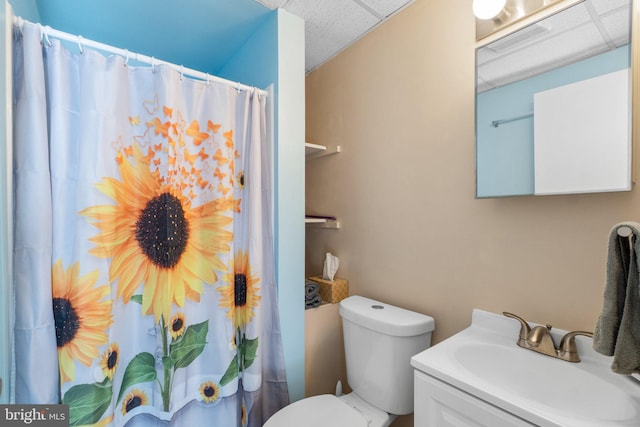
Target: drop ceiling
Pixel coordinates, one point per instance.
(333, 25)
(584, 30)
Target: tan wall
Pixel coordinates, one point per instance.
(400, 102)
(324, 351)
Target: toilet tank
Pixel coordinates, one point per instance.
(379, 341)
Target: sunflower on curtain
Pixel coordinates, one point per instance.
(161, 273)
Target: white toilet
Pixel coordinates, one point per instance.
(379, 340)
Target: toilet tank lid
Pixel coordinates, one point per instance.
(385, 318)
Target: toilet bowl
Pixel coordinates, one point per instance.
(379, 341)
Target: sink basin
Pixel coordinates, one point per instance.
(564, 388)
(485, 362)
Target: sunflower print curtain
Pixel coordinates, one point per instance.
(144, 270)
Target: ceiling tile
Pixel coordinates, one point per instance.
(603, 6)
(386, 8)
(330, 27)
(565, 21)
(616, 25)
(553, 51)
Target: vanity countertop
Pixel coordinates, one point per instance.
(484, 361)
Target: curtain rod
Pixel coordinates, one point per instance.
(48, 31)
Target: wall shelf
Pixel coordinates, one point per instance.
(313, 151)
(322, 223)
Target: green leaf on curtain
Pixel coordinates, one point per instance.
(249, 348)
(231, 373)
(88, 402)
(190, 345)
(141, 369)
(137, 298)
(167, 363)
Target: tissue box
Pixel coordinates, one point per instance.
(332, 290)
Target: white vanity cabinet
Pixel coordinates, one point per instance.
(438, 404)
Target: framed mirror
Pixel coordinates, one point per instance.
(554, 103)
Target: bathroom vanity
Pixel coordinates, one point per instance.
(480, 377)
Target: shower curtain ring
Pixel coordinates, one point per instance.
(153, 64)
(80, 45)
(181, 72)
(208, 80)
(126, 59)
(238, 87)
(46, 39)
(45, 35)
(20, 23)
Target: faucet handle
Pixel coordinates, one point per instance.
(524, 326)
(567, 349)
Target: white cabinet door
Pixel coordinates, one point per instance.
(440, 405)
(582, 136)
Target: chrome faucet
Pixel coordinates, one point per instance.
(539, 339)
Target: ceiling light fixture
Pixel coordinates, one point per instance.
(488, 9)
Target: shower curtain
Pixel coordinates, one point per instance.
(144, 270)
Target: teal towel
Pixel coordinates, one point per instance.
(311, 297)
(311, 289)
(617, 330)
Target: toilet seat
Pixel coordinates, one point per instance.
(318, 411)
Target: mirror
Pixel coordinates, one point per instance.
(553, 104)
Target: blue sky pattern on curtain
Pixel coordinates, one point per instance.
(160, 278)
